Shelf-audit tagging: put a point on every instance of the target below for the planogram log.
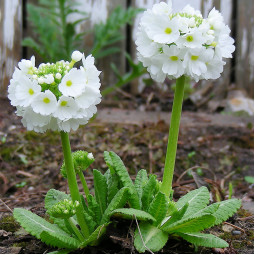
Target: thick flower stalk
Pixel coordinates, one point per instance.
(176, 45)
(55, 96)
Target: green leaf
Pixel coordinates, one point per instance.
(197, 200)
(206, 240)
(112, 183)
(130, 213)
(148, 192)
(100, 186)
(108, 161)
(140, 181)
(151, 238)
(125, 180)
(34, 224)
(176, 215)
(95, 236)
(94, 209)
(190, 224)
(226, 209)
(59, 240)
(118, 201)
(54, 196)
(107, 52)
(158, 207)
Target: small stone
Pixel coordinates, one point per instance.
(236, 232)
(227, 228)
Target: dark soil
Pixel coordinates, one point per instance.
(30, 163)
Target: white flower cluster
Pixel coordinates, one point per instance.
(55, 96)
(175, 44)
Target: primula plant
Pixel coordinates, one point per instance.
(60, 97)
(178, 45)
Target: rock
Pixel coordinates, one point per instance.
(227, 228)
(238, 102)
(236, 232)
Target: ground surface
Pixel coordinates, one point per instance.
(220, 145)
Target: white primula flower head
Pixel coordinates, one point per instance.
(55, 96)
(173, 44)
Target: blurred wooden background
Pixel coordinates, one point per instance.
(238, 14)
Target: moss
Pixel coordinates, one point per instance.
(20, 244)
(9, 224)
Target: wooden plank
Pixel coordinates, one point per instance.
(10, 34)
(108, 76)
(244, 71)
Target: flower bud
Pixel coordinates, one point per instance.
(76, 56)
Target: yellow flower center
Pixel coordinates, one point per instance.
(168, 30)
(194, 58)
(69, 83)
(31, 92)
(46, 100)
(63, 103)
(190, 38)
(214, 44)
(174, 58)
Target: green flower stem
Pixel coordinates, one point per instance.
(84, 184)
(72, 182)
(166, 186)
(75, 229)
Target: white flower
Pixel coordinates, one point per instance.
(90, 155)
(23, 91)
(214, 69)
(193, 39)
(88, 97)
(191, 11)
(49, 78)
(195, 61)
(162, 29)
(58, 76)
(162, 8)
(27, 66)
(225, 46)
(73, 83)
(44, 103)
(76, 56)
(146, 46)
(172, 61)
(66, 108)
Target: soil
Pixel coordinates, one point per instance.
(213, 149)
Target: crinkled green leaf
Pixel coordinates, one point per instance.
(130, 213)
(118, 201)
(190, 224)
(35, 224)
(54, 196)
(197, 199)
(140, 181)
(94, 209)
(148, 192)
(100, 186)
(149, 238)
(206, 240)
(158, 207)
(226, 209)
(176, 215)
(95, 236)
(59, 240)
(125, 180)
(108, 161)
(113, 185)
